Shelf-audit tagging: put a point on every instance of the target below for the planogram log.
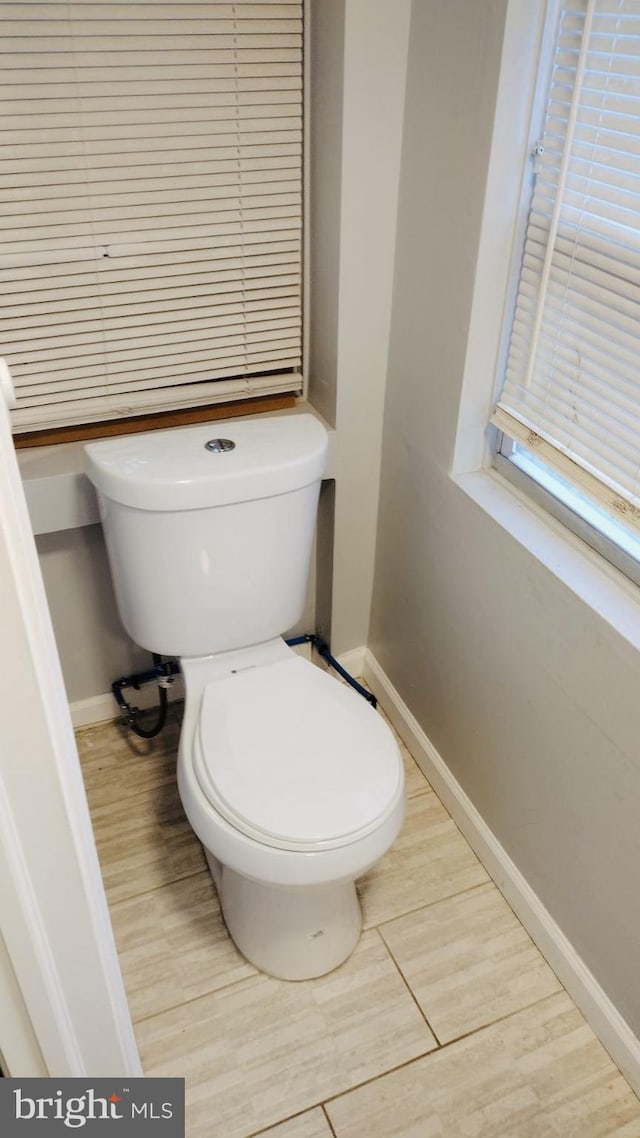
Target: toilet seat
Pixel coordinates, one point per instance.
(294, 759)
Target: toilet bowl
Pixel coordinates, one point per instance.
(291, 781)
(295, 787)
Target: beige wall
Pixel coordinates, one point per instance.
(325, 72)
(359, 58)
(93, 646)
(527, 693)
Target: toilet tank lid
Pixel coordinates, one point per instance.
(212, 464)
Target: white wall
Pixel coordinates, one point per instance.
(529, 695)
(19, 1048)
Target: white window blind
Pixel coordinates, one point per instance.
(151, 210)
(572, 387)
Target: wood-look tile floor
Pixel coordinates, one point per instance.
(445, 1022)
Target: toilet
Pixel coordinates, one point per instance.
(291, 781)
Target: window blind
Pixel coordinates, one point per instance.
(572, 386)
(151, 206)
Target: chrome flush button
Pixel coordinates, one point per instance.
(219, 445)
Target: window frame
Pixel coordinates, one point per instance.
(570, 517)
(564, 506)
(509, 516)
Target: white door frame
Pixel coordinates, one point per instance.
(60, 952)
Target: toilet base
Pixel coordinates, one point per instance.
(294, 934)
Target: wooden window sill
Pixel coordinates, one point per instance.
(163, 419)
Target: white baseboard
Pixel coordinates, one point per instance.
(612, 1030)
(103, 707)
(96, 709)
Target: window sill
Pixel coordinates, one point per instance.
(59, 494)
(602, 587)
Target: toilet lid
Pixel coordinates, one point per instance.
(295, 758)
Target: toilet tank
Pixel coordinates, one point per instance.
(209, 529)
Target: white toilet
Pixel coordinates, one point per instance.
(292, 782)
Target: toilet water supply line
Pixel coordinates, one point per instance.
(323, 650)
(164, 672)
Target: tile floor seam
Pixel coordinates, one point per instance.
(115, 762)
(126, 796)
(418, 908)
(607, 1079)
(383, 1074)
(328, 1120)
(437, 901)
(323, 1103)
(127, 755)
(256, 974)
(156, 888)
(284, 1121)
(421, 793)
(439, 1050)
(320, 1103)
(202, 996)
(126, 737)
(408, 987)
(508, 1015)
(134, 896)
